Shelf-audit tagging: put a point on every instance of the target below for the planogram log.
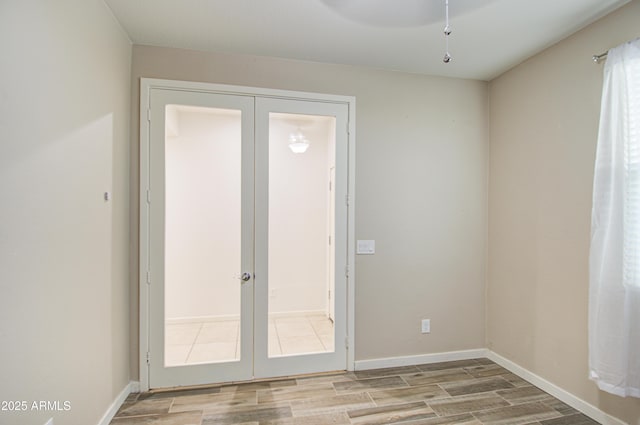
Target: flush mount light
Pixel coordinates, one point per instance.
(297, 142)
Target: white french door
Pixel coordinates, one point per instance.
(243, 237)
(293, 238)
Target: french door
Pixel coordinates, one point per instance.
(246, 236)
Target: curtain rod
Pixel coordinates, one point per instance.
(599, 58)
(603, 56)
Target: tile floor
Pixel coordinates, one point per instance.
(466, 392)
(204, 342)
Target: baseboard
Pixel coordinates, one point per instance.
(419, 359)
(201, 319)
(132, 387)
(236, 317)
(285, 314)
(562, 395)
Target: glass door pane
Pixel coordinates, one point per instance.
(202, 235)
(300, 252)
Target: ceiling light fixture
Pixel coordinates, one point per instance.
(297, 142)
(447, 31)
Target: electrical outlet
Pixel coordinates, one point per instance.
(426, 326)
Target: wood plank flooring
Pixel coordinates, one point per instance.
(466, 392)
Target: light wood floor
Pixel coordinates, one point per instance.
(469, 392)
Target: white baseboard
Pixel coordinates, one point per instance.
(236, 317)
(562, 395)
(201, 319)
(285, 314)
(420, 359)
(132, 387)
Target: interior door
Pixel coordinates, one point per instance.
(247, 219)
(301, 234)
(201, 238)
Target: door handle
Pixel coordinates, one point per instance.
(246, 276)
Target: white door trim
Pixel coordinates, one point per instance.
(146, 85)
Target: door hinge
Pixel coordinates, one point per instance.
(347, 199)
(346, 342)
(148, 277)
(346, 271)
(148, 196)
(348, 128)
(149, 114)
(329, 239)
(329, 293)
(148, 357)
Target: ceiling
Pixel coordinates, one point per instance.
(488, 36)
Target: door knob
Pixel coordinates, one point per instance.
(245, 276)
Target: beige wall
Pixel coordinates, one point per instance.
(421, 191)
(544, 121)
(64, 115)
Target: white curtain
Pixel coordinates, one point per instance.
(614, 263)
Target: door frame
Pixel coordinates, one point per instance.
(148, 84)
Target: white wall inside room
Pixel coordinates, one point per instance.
(298, 213)
(202, 257)
(202, 239)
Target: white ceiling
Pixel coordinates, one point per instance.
(488, 36)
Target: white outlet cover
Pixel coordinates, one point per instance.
(426, 326)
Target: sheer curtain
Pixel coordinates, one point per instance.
(614, 263)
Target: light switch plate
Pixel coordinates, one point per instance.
(366, 247)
